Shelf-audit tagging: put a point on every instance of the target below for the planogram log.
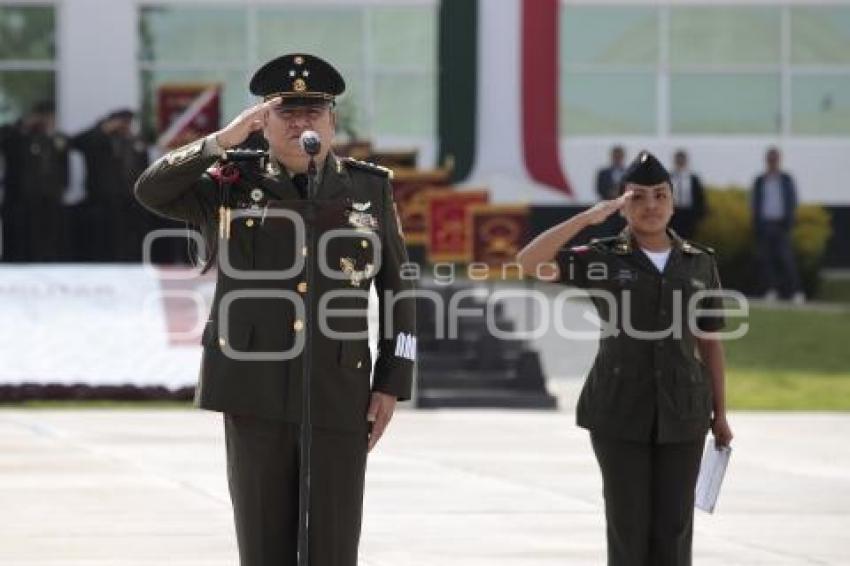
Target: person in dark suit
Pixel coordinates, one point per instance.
(688, 196)
(774, 206)
(110, 223)
(35, 155)
(258, 335)
(608, 178)
(657, 383)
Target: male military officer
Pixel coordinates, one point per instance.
(36, 177)
(251, 210)
(114, 156)
(657, 383)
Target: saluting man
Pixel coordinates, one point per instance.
(252, 214)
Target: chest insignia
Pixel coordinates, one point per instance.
(355, 277)
(362, 220)
(361, 206)
(625, 275)
(257, 194)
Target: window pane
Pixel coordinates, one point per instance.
(20, 90)
(235, 95)
(820, 104)
(727, 35)
(820, 35)
(710, 103)
(334, 34)
(620, 35)
(27, 33)
(404, 105)
(183, 35)
(403, 37)
(608, 103)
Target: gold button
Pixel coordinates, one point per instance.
(221, 342)
(304, 251)
(302, 287)
(249, 222)
(298, 325)
(364, 243)
(359, 364)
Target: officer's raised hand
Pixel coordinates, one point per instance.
(250, 120)
(600, 212)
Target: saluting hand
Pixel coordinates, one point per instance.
(381, 408)
(250, 120)
(599, 212)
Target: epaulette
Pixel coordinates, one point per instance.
(367, 166)
(611, 243)
(695, 247)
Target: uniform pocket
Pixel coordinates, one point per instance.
(354, 354)
(691, 395)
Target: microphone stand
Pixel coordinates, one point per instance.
(306, 432)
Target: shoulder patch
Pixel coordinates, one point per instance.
(366, 166)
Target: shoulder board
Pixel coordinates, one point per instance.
(696, 248)
(615, 244)
(366, 166)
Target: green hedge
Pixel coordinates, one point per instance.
(727, 227)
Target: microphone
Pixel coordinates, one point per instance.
(311, 143)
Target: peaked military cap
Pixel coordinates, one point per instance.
(645, 170)
(298, 78)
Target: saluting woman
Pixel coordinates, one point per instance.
(657, 383)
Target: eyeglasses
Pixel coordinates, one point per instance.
(291, 113)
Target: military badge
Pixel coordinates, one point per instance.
(361, 206)
(257, 194)
(625, 275)
(355, 277)
(299, 85)
(362, 220)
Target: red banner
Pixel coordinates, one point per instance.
(497, 232)
(448, 238)
(186, 112)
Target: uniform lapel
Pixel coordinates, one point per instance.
(277, 182)
(676, 252)
(336, 181)
(627, 246)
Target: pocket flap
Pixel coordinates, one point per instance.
(354, 354)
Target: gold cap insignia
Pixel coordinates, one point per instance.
(299, 85)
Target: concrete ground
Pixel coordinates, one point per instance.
(143, 487)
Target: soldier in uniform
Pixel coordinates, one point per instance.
(248, 210)
(114, 157)
(35, 179)
(657, 384)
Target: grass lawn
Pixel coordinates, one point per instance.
(791, 359)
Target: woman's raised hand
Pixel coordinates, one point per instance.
(599, 212)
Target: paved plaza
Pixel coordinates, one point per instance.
(472, 488)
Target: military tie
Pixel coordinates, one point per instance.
(300, 181)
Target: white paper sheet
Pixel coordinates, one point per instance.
(715, 459)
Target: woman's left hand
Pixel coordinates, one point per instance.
(721, 431)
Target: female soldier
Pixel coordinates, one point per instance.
(657, 383)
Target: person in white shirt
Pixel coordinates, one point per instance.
(688, 196)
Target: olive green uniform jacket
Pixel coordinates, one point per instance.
(653, 386)
(257, 322)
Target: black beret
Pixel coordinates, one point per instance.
(645, 170)
(296, 77)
